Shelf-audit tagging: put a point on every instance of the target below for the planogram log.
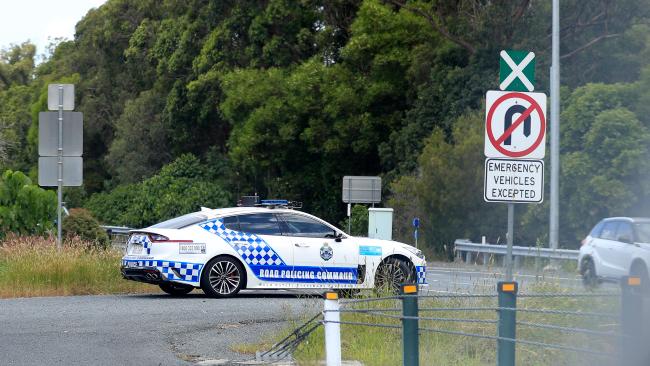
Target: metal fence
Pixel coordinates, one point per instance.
(468, 251)
(508, 318)
(118, 235)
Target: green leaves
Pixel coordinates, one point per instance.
(181, 187)
(24, 207)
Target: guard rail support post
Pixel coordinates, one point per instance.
(332, 318)
(507, 323)
(632, 342)
(410, 337)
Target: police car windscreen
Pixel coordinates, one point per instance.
(181, 221)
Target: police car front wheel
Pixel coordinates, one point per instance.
(392, 273)
(222, 277)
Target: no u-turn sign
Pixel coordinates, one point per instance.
(515, 125)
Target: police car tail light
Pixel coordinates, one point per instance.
(157, 238)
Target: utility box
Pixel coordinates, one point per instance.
(380, 223)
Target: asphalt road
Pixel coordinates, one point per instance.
(139, 329)
(162, 330)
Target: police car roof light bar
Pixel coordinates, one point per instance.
(280, 203)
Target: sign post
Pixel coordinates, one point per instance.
(360, 189)
(60, 162)
(515, 139)
(416, 225)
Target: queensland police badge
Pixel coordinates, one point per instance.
(326, 252)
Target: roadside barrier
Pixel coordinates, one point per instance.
(621, 343)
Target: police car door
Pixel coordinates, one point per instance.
(318, 257)
(264, 250)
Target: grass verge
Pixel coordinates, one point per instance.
(33, 266)
(383, 346)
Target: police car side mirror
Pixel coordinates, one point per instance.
(338, 237)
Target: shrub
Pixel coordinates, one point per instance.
(359, 217)
(25, 208)
(82, 224)
(180, 187)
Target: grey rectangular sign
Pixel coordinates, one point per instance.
(48, 133)
(48, 172)
(53, 96)
(361, 189)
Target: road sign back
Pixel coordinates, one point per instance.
(515, 125)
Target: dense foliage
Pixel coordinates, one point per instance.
(284, 97)
(180, 187)
(25, 208)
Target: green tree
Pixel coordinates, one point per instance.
(24, 207)
(180, 187)
(447, 191)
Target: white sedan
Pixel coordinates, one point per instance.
(223, 251)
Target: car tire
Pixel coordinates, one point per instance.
(175, 289)
(640, 270)
(589, 277)
(391, 274)
(222, 277)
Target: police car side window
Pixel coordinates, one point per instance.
(231, 223)
(299, 225)
(263, 224)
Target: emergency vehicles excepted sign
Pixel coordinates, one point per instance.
(515, 125)
(514, 180)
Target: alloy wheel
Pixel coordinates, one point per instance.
(224, 277)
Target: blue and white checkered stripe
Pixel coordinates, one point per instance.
(173, 271)
(253, 250)
(142, 239)
(422, 274)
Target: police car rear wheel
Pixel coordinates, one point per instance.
(222, 277)
(175, 289)
(391, 275)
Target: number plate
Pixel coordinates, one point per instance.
(135, 248)
(191, 248)
(131, 264)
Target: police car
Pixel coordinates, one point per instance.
(268, 246)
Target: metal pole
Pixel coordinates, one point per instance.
(507, 326)
(350, 219)
(632, 323)
(410, 336)
(332, 318)
(555, 129)
(416, 237)
(510, 236)
(60, 170)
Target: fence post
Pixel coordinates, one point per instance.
(632, 343)
(410, 337)
(507, 323)
(332, 317)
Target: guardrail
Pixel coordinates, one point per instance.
(611, 335)
(118, 235)
(465, 249)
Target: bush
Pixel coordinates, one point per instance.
(180, 187)
(359, 216)
(25, 208)
(82, 224)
